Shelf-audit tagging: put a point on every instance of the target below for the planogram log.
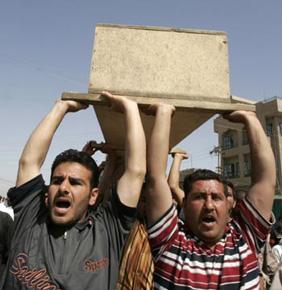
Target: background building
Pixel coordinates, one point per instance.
(233, 149)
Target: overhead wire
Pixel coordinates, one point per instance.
(38, 67)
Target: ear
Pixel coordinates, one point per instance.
(234, 204)
(93, 196)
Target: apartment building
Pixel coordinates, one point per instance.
(233, 149)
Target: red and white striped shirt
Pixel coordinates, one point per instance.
(182, 261)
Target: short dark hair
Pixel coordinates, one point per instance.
(277, 229)
(81, 157)
(230, 184)
(202, 174)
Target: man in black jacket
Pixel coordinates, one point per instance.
(59, 242)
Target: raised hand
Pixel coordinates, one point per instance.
(72, 106)
(118, 103)
(239, 116)
(92, 146)
(159, 107)
(180, 153)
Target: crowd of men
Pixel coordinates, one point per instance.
(126, 225)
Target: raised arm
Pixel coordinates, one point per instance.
(37, 146)
(107, 178)
(106, 168)
(158, 194)
(262, 190)
(130, 184)
(178, 156)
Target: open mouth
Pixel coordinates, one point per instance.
(209, 220)
(62, 205)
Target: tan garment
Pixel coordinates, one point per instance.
(277, 280)
(268, 264)
(136, 268)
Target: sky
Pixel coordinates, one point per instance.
(46, 48)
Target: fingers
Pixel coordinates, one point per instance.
(177, 150)
(117, 103)
(83, 106)
(108, 96)
(239, 116)
(150, 110)
(92, 146)
(180, 155)
(158, 107)
(74, 106)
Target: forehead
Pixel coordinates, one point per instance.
(209, 186)
(72, 169)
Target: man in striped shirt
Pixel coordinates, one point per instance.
(208, 251)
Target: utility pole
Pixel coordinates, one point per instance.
(216, 151)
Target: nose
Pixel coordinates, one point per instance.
(209, 203)
(64, 187)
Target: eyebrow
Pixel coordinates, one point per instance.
(71, 178)
(205, 193)
(77, 179)
(57, 177)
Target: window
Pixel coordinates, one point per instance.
(231, 168)
(269, 127)
(229, 139)
(247, 165)
(228, 142)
